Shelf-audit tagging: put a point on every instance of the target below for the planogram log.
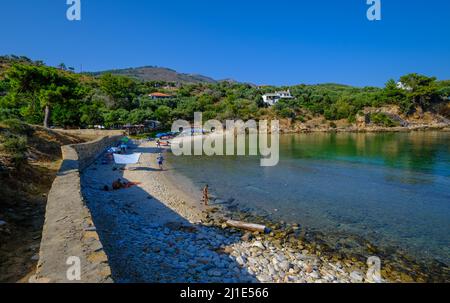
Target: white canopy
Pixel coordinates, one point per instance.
(127, 159)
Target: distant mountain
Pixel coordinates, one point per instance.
(154, 73)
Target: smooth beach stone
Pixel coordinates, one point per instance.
(356, 276)
(247, 237)
(284, 266)
(240, 260)
(258, 244)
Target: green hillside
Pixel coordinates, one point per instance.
(39, 94)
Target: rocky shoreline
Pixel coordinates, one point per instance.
(394, 121)
(294, 244)
(366, 129)
(271, 257)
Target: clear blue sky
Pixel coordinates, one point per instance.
(263, 42)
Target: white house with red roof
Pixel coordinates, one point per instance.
(159, 95)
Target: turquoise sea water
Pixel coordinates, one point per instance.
(392, 188)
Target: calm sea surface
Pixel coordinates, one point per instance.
(393, 189)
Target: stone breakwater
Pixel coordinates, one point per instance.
(68, 229)
(157, 232)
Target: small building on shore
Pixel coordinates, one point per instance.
(273, 98)
(152, 125)
(158, 95)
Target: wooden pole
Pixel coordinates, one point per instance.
(247, 226)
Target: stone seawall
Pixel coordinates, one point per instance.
(90, 134)
(69, 237)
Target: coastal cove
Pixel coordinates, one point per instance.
(356, 193)
(210, 152)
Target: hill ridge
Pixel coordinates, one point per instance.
(157, 73)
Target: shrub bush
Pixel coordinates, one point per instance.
(6, 113)
(16, 148)
(382, 119)
(17, 126)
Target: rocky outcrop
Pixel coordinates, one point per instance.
(430, 120)
(69, 234)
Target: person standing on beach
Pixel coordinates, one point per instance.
(206, 195)
(160, 161)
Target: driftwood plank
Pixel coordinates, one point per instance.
(247, 226)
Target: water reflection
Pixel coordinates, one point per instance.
(427, 152)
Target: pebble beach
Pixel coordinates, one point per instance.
(156, 232)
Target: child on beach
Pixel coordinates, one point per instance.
(160, 161)
(206, 195)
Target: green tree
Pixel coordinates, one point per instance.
(139, 116)
(4, 87)
(62, 66)
(43, 87)
(116, 118)
(92, 114)
(121, 90)
(163, 114)
(422, 90)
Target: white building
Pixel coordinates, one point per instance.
(400, 85)
(273, 98)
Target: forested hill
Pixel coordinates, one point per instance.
(154, 73)
(35, 93)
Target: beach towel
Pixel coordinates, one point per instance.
(127, 159)
(131, 184)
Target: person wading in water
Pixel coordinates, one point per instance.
(206, 195)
